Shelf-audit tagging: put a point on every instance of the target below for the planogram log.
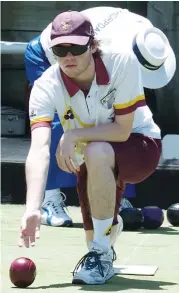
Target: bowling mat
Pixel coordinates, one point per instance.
(142, 270)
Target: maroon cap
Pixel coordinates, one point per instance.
(71, 27)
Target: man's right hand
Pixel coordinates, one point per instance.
(30, 228)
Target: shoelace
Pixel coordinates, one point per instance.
(90, 260)
(58, 205)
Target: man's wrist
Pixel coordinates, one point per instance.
(32, 209)
(32, 206)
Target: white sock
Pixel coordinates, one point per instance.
(52, 195)
(102, 231)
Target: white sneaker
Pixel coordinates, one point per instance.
(96, 267)
(54, 214)
(125, 203)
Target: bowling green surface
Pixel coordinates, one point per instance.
(59, 250)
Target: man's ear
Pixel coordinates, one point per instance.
(94, 46)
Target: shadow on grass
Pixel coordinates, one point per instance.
(161, 231)
(78, 225)
(116, 284)
(75, 225)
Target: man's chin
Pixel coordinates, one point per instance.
(71, 74)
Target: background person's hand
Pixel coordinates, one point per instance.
(30, 228)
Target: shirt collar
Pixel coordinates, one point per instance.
(102, 77)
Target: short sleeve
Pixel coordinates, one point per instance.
(41, 105)
(129, 89)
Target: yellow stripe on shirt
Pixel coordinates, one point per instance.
(42, 119)
(129, 104)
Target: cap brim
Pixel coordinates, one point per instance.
(161, 77)
(77, 40)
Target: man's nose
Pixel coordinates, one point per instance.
(70, 56)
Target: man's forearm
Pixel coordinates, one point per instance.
(37, 165)
(104, 132)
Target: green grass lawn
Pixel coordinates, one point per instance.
(59, 249)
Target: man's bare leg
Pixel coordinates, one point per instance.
(99, 158)
(98, 267)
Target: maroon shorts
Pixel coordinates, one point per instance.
(135, 160)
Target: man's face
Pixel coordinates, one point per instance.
(74, 66)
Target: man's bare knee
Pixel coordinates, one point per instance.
(99, 158)
(99, 153)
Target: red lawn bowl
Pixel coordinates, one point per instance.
(22, 272)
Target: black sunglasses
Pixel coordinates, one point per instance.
(75, 50)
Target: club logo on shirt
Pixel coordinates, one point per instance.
(33, 113)
(69, 115)
(109, 99)
(70, 120)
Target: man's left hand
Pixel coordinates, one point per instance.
(66, 152)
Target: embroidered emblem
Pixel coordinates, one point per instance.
(65, 26)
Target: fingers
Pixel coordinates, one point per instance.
(28, 240)
(21, 242)
(37, 233)
(75, 165)
(70, 165)
(32, 240)
(66, 164)
(22, 235)
(23, 239)
(30, 229)
(61, 163)
(64, 167)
